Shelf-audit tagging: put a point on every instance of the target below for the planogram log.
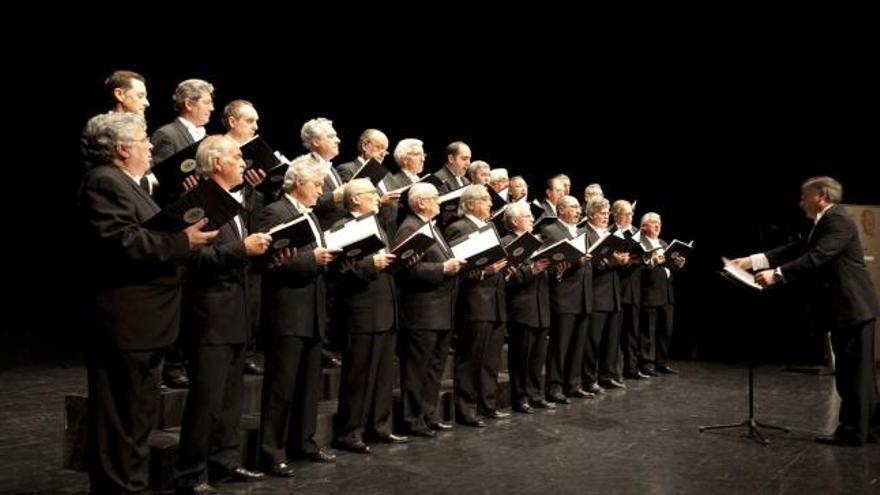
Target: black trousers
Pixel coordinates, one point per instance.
(656, 335)
(423, 355)
(365, 386)
(527, 354)
(209, 430)
(855, 380)
(609, 343)
(291, 389)
(123, 408)
(565, 352)
(477, 363)
(630, 338)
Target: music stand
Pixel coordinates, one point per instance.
(751, 423)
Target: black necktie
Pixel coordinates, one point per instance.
(145, 184)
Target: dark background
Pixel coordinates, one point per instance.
(715, 140)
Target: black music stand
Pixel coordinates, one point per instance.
(751, 423)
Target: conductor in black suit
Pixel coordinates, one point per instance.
(830, 262)
(428, 293)
(366, 300)
(216, 327)
(481, 317)
(295, 311)
(136, 278)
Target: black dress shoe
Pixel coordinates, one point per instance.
(242, 474)
(594, 389)
(421, 431)
(524, 408)
(440, 426)
(322, 456)
(559, 398)
(473, 422)
(666, 370)
(252, 368)
(200, 489)
(611, 383)
(648, 372)
(392, 438)
(357, 447)
(638, 375)
(496, 414)
(179, 381)
(280, 470)
(328, 360)
(580, 393)
(839, 440)
(542, 404)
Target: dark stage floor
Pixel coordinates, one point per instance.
(643, 440)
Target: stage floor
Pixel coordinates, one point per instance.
(641, 440)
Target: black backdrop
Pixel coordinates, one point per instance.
(718, 148)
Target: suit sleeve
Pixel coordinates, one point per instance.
(111, 215)
(830, 242)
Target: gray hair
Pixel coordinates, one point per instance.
(650, 217)
(314, 129)
(593, 187)
(827, 185)
(620, 204)
(470, 194)
(475, 167)
(216, 146)
(418, 191)
(301, 169)
(191, 89)
(514, 210)
(497, 174)
(567, 201)
(405, 147)
(353, 187)
(595, 205)
(104, 131)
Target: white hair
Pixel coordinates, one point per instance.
(301, 169)
(314, 129)
(405, 147)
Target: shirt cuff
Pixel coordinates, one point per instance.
(759, 261)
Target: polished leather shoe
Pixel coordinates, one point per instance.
(542, 404)
(179, 381)
(440, 426)
(322, 456)
(638, 375)
(524, 408)
(392, 438)
(242, 474)
(648, 372)
(280, 470)
(839, 440)
(611, 383)
(200, 489)
(559, 398)
(473, 422)
(594, 389)
(252, 368)
(328, 360)
(496, 414)
(421, 431)
(580, 393)
(666, 370)
(355, 447)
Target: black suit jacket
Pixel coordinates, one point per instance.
(630, 276)
(365, 295)
(656, 282)
(427, 296)
(346, 170)
(216, 309)
(479, 300)
(328, 211)
(396, 181)
(528, 295)
(606, 284)
(571, 294)
(831, 262)
(137, 274)
(294, 294)
(449, 183)
(169, 139)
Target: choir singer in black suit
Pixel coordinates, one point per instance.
(136, 278)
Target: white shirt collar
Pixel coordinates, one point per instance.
(296, 204)
(135, 178)
(819, 215)
(197, 133)
(476, 220)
